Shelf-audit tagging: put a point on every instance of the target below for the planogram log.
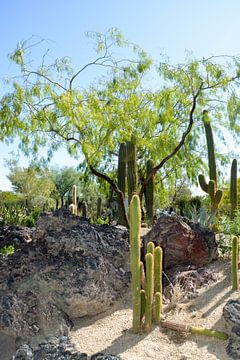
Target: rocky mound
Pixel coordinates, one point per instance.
(65, 269)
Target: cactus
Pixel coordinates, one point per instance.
(131, 167)
(99, 207)
(235, 282)
(149, 291)
(71, 208)
(210, 146)
(143, 278)
(233, 188)
(84, 209)
(210, 188)
(122, 166)
(158, 256)
(143, 303)
(135, 225)
(74, 193)
(149, 194)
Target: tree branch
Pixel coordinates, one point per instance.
(153, 172)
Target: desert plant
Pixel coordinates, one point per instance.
(233, 188)
(135, 223)
(214, 193)
(235, 281)
(210, 147)
(131, 167)
(149, 194)
(122, 167)
(149, 290)
(99, 207)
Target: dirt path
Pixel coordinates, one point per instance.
(110, 332)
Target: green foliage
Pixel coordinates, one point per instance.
(200, 215)
(231, 227)
(18, 215)
(122, 167)
(7, 250)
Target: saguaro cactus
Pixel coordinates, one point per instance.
(210, 188)
(122, 170)
(135, 222)
(235, 281)
(210, 146)
(99, 207)
(131, 167)
(233, 188)
(149, 194)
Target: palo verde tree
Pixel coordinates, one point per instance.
(46, 106)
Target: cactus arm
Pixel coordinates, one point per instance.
(150, 247)
(143, 278)
(157, 307)
(143, 302)
(235, 281)
(207, 332)
(135, 222)
(202, 182)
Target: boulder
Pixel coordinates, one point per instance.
(68, 270)
(231, 314)
(183, 242)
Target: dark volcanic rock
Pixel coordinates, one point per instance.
(57, 349)
(183, 242)
(231, 314)
(70, 269)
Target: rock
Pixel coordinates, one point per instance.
(183, 242)
(189, 278)
(57, 349)
(231, 314)
(70, 269)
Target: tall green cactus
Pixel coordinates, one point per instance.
(158, 257)
(233, 188)
(235, 281)
(131, 167)
(149, 194)
(149, 290)
(135, 226)
(210, 146)
(99, 207)
(122, 170)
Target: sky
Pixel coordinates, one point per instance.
(206, 27)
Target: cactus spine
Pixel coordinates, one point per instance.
(235, 282)
(210, 146)
(122, 167)
(149, 194)
(135, 223)
(233, 188)
(131, 167)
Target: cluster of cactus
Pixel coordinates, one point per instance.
(147, 301)
(149, 194)
(214, 193)
(233, 188)
(73, 206)
(235, 259)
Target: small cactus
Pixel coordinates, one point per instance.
(235, 281)
(158, 256)
(149, 291)
(74, 191)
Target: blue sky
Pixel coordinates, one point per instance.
(206, 27)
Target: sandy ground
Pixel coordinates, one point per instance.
(110, 332)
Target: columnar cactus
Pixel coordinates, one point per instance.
(122, 170)
(149, 290)
(235, 281)
(84, 209)
(99, 207)
(158, 257)
(233, 188)
(210, 146)
(135, 225)
(149, 194)
(74, 192)
(131, 168)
